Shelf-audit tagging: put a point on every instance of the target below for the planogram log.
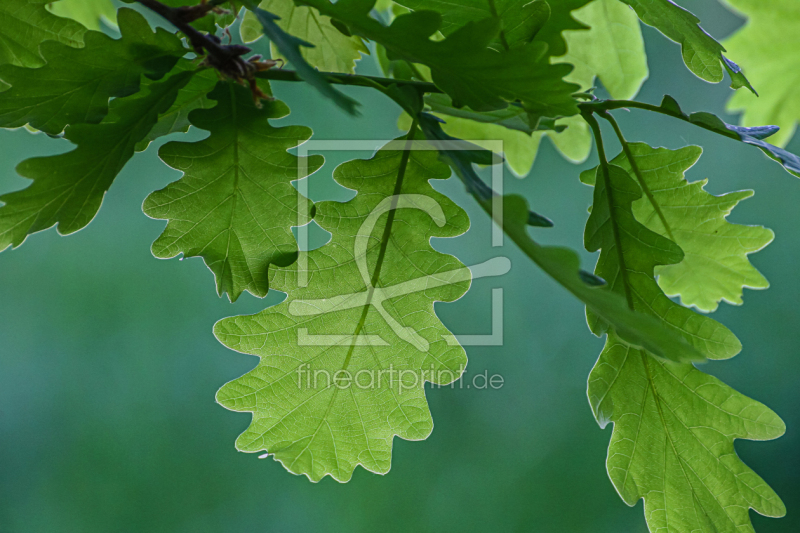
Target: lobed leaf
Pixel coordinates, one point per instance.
(68, 189)
(521, 20)
(76, 83)
(770, 64)
(332, 50)
(612, 49)
(608, 45)
(235, 204)
(25, 24)
(701, 53)
(462, 65)
(672, 443)
(360, 306)
(561, 264)
(629, 254)
(289, 46)
(190, 97)
(88, 12)
(715, 265)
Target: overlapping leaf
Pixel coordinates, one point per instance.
(88, 12)
(332, 52)
(462, 64)
(715, 265)
(629, 254)
(290, 47)
(76, 84)
(25, 24)
(561, 264)
(611, 49)
(673, 425)
(521, 20)
(770, 64)
(701, 53)
(360, 306)
(235, 204)
(68, 189)
(672, 442)
(192, 96)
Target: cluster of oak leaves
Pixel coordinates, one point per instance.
(504, 69)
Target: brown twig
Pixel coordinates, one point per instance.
(225, 58)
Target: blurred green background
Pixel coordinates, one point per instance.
(108, 366)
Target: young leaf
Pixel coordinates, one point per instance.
(365, 312)
(76, 84)
(68, 189)
(332, 52)
(770, 64)
(462, 65)
(701, 53)
(25, 24)
(715, 265)
(629, 254)
(235, 204)
(289, 47)
(672, 443)
(88, 12)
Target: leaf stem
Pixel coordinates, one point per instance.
(609, 105)
(637, 172)
(606, 171)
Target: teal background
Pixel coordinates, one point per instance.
(108, 367)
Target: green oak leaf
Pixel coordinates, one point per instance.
(235, 204)
(629, 254)
(76, 83)
(510, 125)
(190, 97)
(332, 52)
(611, 50)
(768, 65)
(25, 24)
(561, 264)
(522, 21)
(701, 53)
(715, 265)
(68, 189)
(672, 443)
(88, 12)
(360, 306)
(290, 48)
(462, 65)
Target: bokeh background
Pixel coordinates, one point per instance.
(108, 366)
